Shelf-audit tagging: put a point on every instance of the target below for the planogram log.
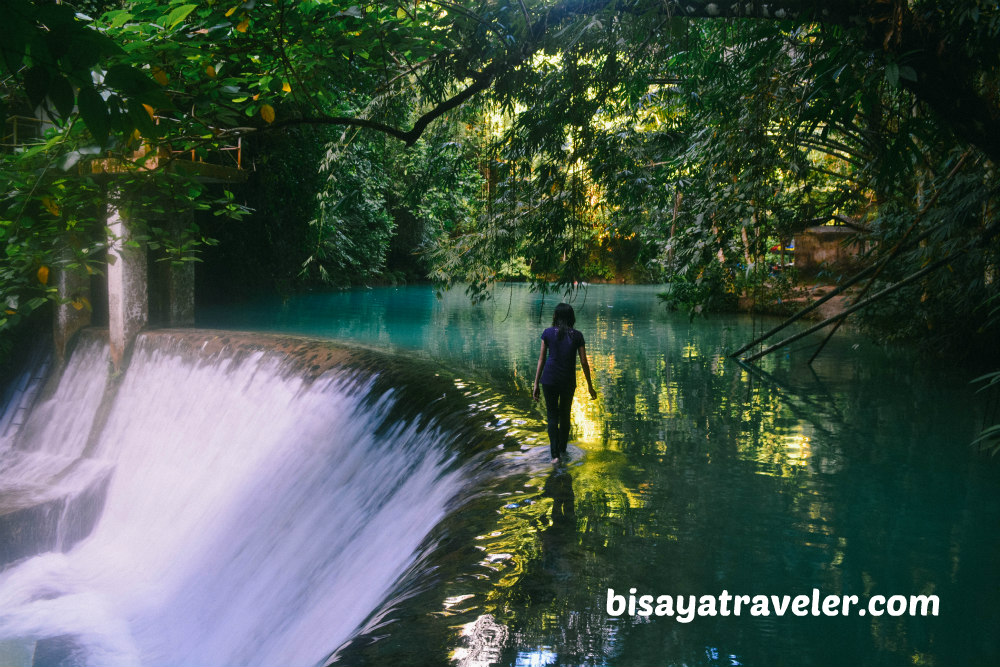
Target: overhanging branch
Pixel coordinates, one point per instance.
(953, 98)
(480, 82)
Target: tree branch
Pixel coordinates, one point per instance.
(480, 82)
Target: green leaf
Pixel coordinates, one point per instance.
(987, 434)
(179, 14)
(991, 379)
(892, 74)
(94, 111)
(128, 80)
(118, 119)
(33, 304)
(88, 49)
(61, 95)
(140, 118)
(117, 18)
(36, 84)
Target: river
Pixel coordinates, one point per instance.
(400, 507)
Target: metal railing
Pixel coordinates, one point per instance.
(20, 131)
(233, 151)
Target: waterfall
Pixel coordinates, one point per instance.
(239, 513)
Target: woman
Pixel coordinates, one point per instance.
(557, 373)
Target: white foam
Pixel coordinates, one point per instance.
(251, 519)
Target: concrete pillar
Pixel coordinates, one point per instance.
(128, 306)
(180, 295)
(180, 281)
(73, 310)
(171, 282)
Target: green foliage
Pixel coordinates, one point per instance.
(53, 219)
(382, 201)
(618, 139)
(712, 290)
(352, 227)
(945, 310)
(48, 220)
(989, 437)
(48, 56)
(266, 250)
(713, 140)
(435, 190)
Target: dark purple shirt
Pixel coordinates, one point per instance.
(560, 367)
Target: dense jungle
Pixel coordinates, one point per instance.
(551, 142)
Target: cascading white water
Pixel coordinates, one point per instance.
(252, 518)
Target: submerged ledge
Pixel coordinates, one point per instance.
(307, 357)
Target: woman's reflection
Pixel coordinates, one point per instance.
(559, 487)
(547, 576)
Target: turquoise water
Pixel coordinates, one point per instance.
(689, 475)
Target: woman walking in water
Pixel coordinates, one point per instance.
(557, 372)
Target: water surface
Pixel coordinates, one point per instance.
(690, 475)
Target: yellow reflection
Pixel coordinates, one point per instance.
(641, 406)
(605, 364)
(798, 449)
(586, 421)
(455, 599)
(668, 399)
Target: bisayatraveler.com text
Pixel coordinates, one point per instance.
(686, 608)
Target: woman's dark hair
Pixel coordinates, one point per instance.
(564, 318)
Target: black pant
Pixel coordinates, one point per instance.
(558, 402)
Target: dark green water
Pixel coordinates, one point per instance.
(689, 476)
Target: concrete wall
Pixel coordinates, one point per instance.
(74, 311)
(140, 290)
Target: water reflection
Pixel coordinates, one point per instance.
(552, 568)
(692, 474)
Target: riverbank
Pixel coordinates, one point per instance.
(805, 294)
